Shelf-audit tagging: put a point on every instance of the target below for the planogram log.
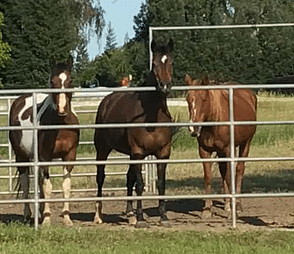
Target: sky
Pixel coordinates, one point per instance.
(120, 13)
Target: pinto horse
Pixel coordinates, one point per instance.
(52, 109)
(138, 142)
(211, 106)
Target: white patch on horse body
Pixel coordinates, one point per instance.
(163, 59)
(62, 96)
(26, 142)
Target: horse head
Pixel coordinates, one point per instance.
(198, 103)
(162, 65)
(61, 78)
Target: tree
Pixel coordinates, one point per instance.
(244, 55)
(110, 38)
(39, 30)
(142, 22)
(82, 62)
(4, 48)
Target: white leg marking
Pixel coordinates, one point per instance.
(98, 213)
(47, 188)
(66, 186)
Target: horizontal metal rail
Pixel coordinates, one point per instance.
(152, 28)
(37, 164)
(153, 197)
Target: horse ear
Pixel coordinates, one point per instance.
(69, 61)
(170, 45)
(188, 80)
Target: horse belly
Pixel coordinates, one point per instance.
(27, 136)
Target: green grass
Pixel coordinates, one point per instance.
(16, 238)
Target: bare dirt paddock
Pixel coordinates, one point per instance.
(258, 214)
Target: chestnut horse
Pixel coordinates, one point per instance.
(52, 109)
(211, 106)
(139, 142)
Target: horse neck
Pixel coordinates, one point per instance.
(153, 101)
(218, 106)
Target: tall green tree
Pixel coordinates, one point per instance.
(142, 22)
(38, 30)
(81, 63)
(110, 38)
(245, 55)
(4, 47)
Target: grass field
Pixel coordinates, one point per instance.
(22, 239)
(276, 141)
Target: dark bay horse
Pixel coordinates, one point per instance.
(52, 109)
(213, 105)
(139, 142)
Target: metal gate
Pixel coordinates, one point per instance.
(232, 159)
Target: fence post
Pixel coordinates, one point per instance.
(36, 160)
(9, 147)
(232, 154)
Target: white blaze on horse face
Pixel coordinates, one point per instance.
(163, 59)
(194, 129)
(27, 138)
(62, 96)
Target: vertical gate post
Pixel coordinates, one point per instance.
(9, 147)
(232, 155)
(36, 160)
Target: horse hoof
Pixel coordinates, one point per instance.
(141, 224)
(165, 224)
(206, 214)
(46, 221)
(97, 220)
(67, 221)
(132, 220)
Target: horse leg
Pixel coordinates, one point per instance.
(101, 155)
(47, 190)
(141, 223)
(161, 168)
(139, 187)
(223, 167)
(24, 187)
(207, 179)
(66, 186)
(131, 180)
(240, 169)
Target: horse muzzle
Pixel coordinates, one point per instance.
(195, 130)
(163, 88)
(62, 114)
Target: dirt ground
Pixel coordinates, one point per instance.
(258, 214)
